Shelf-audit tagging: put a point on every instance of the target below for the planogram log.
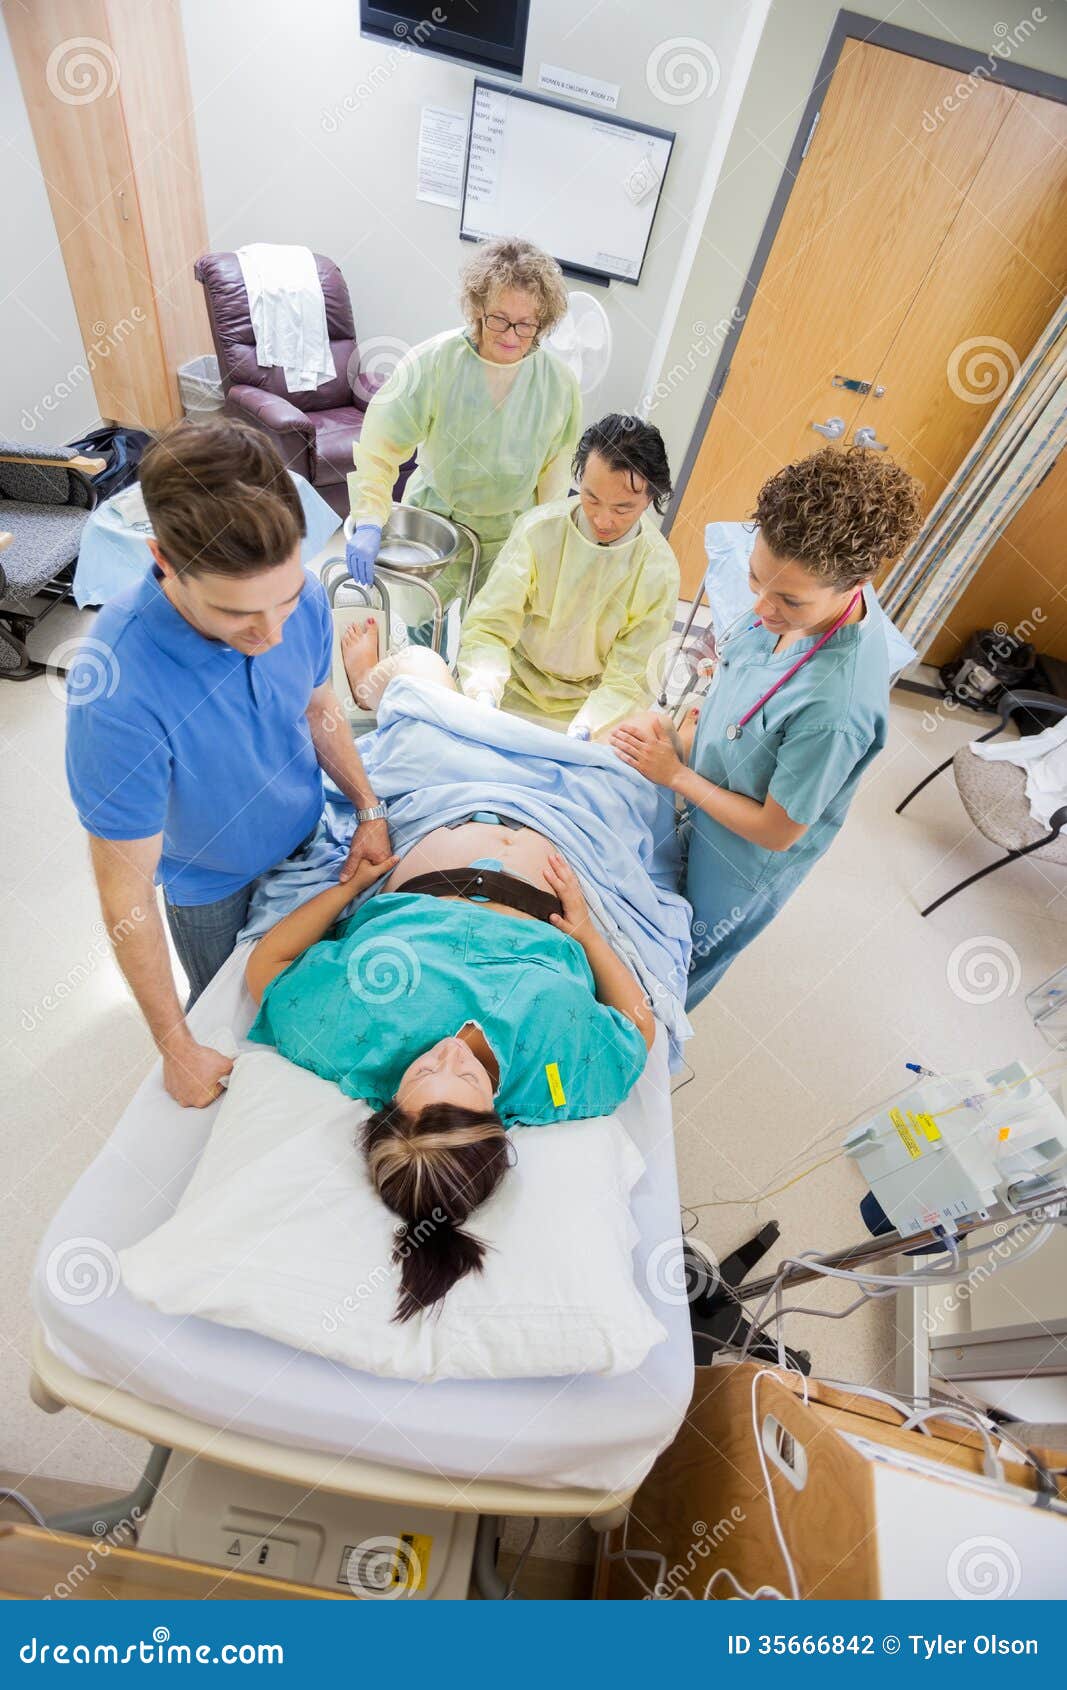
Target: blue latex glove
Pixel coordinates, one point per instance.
(361, 551)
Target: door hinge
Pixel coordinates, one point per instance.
(722, 381)
(811, 134)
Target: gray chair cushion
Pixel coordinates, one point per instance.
(994, 796)
(45, 539)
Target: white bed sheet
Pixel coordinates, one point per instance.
(590, 1432)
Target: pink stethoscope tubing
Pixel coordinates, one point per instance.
(734, 730)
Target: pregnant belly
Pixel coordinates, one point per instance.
(521, 851)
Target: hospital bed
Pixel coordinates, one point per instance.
(278, 1460)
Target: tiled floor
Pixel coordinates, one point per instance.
(813, 1024)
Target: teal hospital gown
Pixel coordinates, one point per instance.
(807, 747)
(409, 969)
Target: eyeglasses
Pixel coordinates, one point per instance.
(500, 324)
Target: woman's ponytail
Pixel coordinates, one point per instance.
(432, 1170)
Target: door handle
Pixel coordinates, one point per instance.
(869, 437)
(832, 429)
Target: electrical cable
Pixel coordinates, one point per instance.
(23, 1502)
(509, 1594)
(764, 1196)
(794, 1586)
(767, 1590)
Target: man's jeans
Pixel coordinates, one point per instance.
(205, 934)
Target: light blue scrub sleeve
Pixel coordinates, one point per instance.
(812, 767)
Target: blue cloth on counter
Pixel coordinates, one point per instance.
(437, 756)
(112, 553)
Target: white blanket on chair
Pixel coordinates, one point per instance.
(1044, 757)
(288, 313)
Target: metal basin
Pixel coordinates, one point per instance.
(415, 542)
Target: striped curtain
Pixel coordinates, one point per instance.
(1013, 453)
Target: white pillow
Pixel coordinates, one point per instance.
(280, 1231)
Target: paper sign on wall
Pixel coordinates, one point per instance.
(573, 85)
(442, 143)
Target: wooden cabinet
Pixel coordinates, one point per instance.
(107, 91)
(753, 1435)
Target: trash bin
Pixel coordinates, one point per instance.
(200, 387)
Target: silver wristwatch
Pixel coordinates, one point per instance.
(376, 813)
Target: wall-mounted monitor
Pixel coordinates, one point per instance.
(582, 185)
(489, 34)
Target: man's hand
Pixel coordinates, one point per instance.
(366, 874)
(564, 883)
(649, 748)
(370, 844)
(193, 1073)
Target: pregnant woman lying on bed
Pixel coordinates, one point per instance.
(471, 994)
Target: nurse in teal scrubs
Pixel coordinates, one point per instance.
(798, 706)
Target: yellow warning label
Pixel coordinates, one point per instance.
(926, 1125)
(412, 1560)
(907, 1137)
(555, 1084)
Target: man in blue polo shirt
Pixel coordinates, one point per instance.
(196, 758)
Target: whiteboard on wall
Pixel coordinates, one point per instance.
(580, 184)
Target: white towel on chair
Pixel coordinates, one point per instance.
(288, 313)
(1044, 757)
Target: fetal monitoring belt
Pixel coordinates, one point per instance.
(486, 883)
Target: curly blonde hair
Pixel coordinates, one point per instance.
(508, 262)
(841, 514)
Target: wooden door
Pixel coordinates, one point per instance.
(875, 205)
(988, 295)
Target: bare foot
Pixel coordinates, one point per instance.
(687, 730)
(359, 652)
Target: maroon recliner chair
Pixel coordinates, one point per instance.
(314, 431)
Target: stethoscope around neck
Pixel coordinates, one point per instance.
(735, 729)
